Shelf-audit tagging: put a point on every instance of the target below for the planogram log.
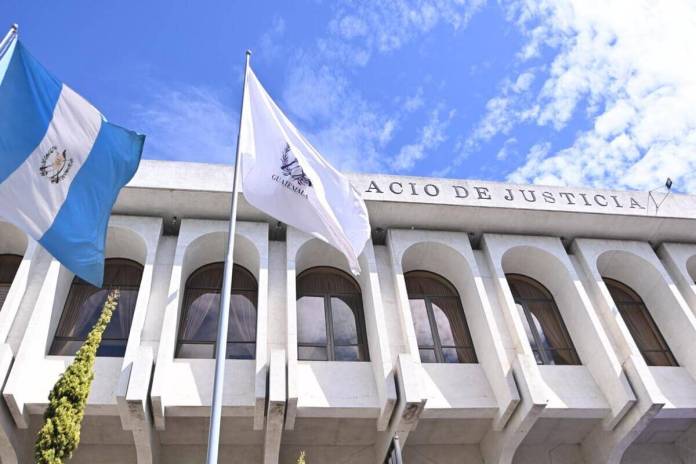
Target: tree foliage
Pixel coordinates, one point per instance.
(301, 460)
(60, 434)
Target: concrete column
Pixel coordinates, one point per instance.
(449, 255)
(137, 416)
(377, 335)
(275, 408)
(636, 265)
(408, 408)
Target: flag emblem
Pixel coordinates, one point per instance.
(291, 168)
(55, 165)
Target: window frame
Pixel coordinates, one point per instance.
(546, 354)
(330, 345)
(637, 301)
(434, 331)
(77, 281)
(218, 291)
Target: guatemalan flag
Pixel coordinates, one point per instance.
(61, 163)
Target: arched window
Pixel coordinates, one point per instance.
(547, 334)
(84, 304)
(441, 330)
(199, 318)
(330, 322)
(641, 325)
(8, 268)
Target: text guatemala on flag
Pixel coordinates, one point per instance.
(286, 177)
(61, 163)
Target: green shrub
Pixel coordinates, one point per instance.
(60, 434)
(301, 460)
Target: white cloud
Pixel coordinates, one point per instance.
(350, 27)
(506, 149)
(632, 63)
(523, 82)
(431, 137)
(414, 102)
(346, 128)
(362, 28)
(271, 41)
(187, 123)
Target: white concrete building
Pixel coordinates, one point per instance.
(492, 323)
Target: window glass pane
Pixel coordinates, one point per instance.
(200, 323)
(347, 353)
(466, 355)
(311, 353)
(62, 347)
(424, 283)
(537, 357)
(527, 329)
(658, 358)
(241, 350)
(450, 323)
(201, 308)
(640, 324)
(545, 343)
(326, 281)
(546, 321)
(8, 268)
(564, 357)
(242, 323)
(329, 316)
(121, 319)
(449, 355)
(311, 321)
(526, 288)
(427, 356)
(640, 327)
(196, 351)
(81, 311)
(4, 289)
(537, 307)
(458, 355)
(112, 348)
(345, 328)
(421, 324)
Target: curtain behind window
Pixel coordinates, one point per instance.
(328, 294)
(200, 310)
(430, 292)
(538, 305)
(641, 325)
(84, 304)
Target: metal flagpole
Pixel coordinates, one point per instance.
(223, 319)
(6, 40)
(397, 450)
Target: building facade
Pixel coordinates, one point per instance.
(491, 323)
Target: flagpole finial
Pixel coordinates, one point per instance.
(15, 27)
(248, 52)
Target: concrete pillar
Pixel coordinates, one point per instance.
(275, 408)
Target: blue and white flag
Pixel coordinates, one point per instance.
(61, 163)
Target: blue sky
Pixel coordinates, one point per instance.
(571, 92)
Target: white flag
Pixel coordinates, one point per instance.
(285, 177)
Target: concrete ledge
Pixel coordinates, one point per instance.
(320, 395)
(457, 391)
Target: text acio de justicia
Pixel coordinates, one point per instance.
(500, 193)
